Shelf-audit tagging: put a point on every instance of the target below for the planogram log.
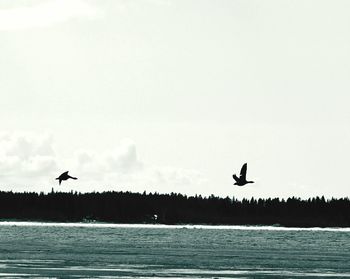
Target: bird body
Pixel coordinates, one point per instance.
(64, 176)
(242, 180)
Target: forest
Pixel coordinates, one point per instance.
(128, 207)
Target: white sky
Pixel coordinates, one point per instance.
(176, 95)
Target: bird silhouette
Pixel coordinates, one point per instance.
(242, 180)
(64, 176)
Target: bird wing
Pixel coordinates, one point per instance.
(235, 177)
(63, 175)
(243, 172)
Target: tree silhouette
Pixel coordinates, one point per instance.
(173, 208)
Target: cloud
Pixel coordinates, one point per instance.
(25, 145)
(177, 177)
(44, 14)
(124, 158)
(24, 156)
(121, 169)
(29, 161)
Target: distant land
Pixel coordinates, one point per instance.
(128, 207)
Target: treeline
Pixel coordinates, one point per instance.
(127, 207)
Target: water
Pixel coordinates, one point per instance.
(39, 250)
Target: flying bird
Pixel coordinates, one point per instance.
(64, 176)
(242, 180)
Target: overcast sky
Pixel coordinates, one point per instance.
(175, 95)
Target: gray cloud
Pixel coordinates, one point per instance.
(28, 161)
(121, 169)
(124, 158)
(26, 156)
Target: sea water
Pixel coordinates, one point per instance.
(63, 250)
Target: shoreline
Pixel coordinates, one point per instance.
(4, 223)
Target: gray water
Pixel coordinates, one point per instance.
(39, 250)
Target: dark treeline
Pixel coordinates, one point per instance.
(127, 207)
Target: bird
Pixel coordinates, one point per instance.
(242, 180)
(64, 176)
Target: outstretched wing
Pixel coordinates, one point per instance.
(235, 177)
(243, 172)
(62, 175)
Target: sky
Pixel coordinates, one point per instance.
(175, 95)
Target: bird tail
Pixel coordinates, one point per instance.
(74, 177)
